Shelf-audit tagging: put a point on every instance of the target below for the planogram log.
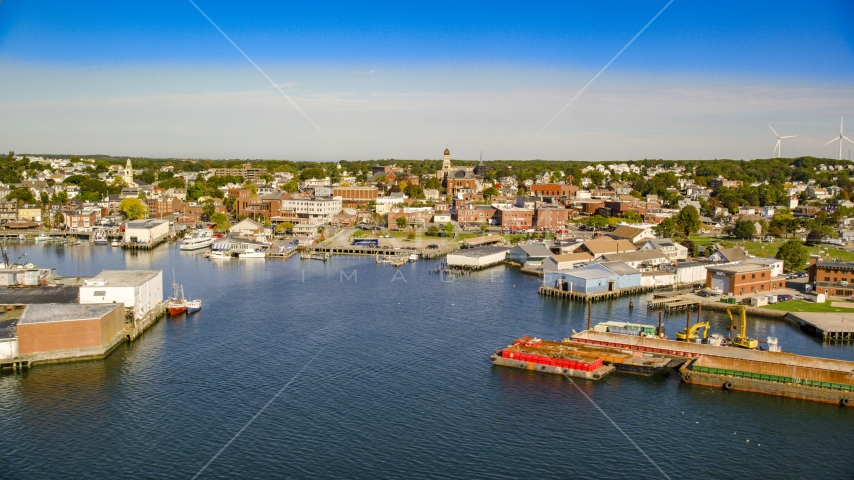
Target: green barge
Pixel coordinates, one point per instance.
(795, 381)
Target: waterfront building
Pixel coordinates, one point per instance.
(476, 258)
(146, 231)
(632, 234)
(531, 254)
(604, 245)
(139, 290)
(742, 279)
(644, 260)
(595, 277)
(62, 331)
(729, 255)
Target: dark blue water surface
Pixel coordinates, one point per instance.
(395, 382)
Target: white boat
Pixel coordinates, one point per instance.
(43, 238)
(251, 253)
(114, 244)
(194, 306)
(413, 257)
(218, 255)
(196, 240)
(100, 237)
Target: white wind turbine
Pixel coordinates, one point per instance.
(840, 137)
(779, 147)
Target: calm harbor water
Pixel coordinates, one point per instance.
(396, 383)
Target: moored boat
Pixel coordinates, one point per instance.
(176, 304)
(197, 240)
(413, 258)
(218, 255)
(114, 244)
(100, 238)
(194, 306)
(251, 253)
(42, 238)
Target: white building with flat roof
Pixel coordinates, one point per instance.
(140, 290)
(312, 210)
(146, 231)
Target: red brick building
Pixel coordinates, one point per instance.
(743, 279)
(359, 194)
(834, 279)
(554, 190)
(515, 218)
(476, 214)
(550, 218)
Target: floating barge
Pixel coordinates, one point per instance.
(804, 382)
(576, 359)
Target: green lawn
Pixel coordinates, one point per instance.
(361, 233)
(769, 249)
(703, 241)
(805, 306)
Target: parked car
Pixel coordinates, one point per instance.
(433, 245)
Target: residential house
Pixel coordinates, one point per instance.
(632, 234)
(604, 245)
(672, 250)
(729, 255)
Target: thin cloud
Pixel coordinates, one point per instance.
(369, 72)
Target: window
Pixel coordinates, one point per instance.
(753, 276)
(100, 293)
(762, 287)
(743, 277)
(763, 274)
(826, 279)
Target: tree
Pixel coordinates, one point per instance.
(59, 197)
(285, 227)
(666, 228)
(44, 197)
(597, 221)
(688, 221)
(691, 246)
(448, 228)
(490, 192)
(402, 222)
(133, 208)
(744, 229)
(23, 195)
(484, 227)
(818, 233)
(58, 218)
(632, 217)
(794, 255)
(220, 222)
(433, 231)
(208, 208)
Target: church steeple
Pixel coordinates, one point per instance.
(127, 177)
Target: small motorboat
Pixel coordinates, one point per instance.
(218, 255)
(413, 258)
(114, 244)
(100, 237)
(194, 306)
(43, 238)
(251, 253)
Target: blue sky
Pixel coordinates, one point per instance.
(403, 80)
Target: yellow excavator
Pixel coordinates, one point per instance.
(693, 333)
(741, 339)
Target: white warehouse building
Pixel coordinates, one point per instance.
(146, 231)
(141, 290)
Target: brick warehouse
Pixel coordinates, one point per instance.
(742, 279)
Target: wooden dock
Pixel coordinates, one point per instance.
(670, 304)
(593, 296)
